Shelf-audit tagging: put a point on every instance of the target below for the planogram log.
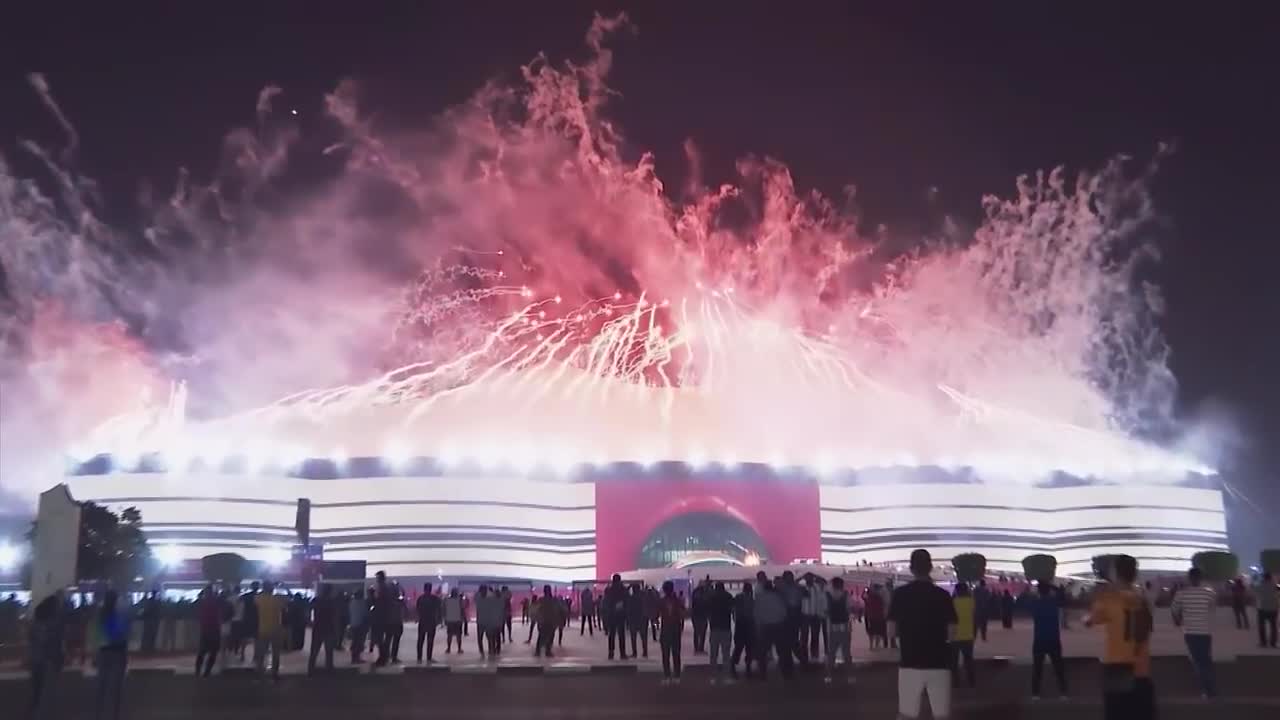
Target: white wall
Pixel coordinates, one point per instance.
(884, 523)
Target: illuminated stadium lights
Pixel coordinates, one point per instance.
(826, 464)
(10, 556)
(276, 557)
(339, 456)
(396, 454)
(168, 556)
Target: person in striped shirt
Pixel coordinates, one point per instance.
(1193, 609)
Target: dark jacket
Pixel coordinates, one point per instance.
(719, 609)
(428, 610)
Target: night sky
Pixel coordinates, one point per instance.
(899, 102)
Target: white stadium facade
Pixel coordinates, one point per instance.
(423, 518)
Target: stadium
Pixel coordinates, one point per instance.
(423, 517)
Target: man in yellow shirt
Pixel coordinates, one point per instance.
(1125, 617)
(270, 628)
(963, 635)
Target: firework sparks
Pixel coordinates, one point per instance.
(571, 312)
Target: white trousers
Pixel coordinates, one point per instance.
(914, 683)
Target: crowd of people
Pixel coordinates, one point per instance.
(783, 621)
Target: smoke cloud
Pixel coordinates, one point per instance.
(413, 247)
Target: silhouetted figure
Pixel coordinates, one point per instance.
(839, 630)
(637, 622)
(615, 601)
(45, 653)
(548, 617)
(963, 637)
(453, 621)
(358, 610)
(671, 617)
(324, 628)
(719, 604)
(587, 609)
(771, 631)
(698, 613)
(209, 611)
(744, 629)
(1268, 598)
(429, 618)
(150, 622)
(113, 656)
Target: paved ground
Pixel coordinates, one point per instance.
(581, 683)
(1248, 686)
(582, 652)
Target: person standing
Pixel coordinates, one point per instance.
(698, 612)
(45, 653)
(1268, 607)
(1128, 693)
(792, 596)
(533, 618)
(744, 629)
(587, 611)
(507, 612)
(1192, 608)
(452, 621)
(615, 600)
(815, 617)
(395, 621)
(962, 640)
(875, 617)
(380, 619)
(113, 656)
(771, 620)
(981, 609)
(297, 612)
(209, 615)
(524, 611)
(466, 616)
(150, 621)
(547, 616)
(429, 618)
(671, 618)
(923, 618)
(887, 594)
(1046, 606)
(344, 619)
(324, 628)
(637, 622)
(1239, 604)
(270, 629)
(720, 624)
(652, 601)
(358, 610)
(488, 621)
(1007, 604)
(249, 619)
(839, 631)
(566, 611)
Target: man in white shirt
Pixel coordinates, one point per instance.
(1193, 609)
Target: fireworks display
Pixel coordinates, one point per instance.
(515, 287)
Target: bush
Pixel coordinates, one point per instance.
(1269, 559)
(1216, 566)
(1040, 567)
(1102, 566)
(970, 567)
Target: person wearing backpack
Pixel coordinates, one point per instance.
(1123, 613)
(839, 633)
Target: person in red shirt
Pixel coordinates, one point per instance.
(671, 619)
(209, 611)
